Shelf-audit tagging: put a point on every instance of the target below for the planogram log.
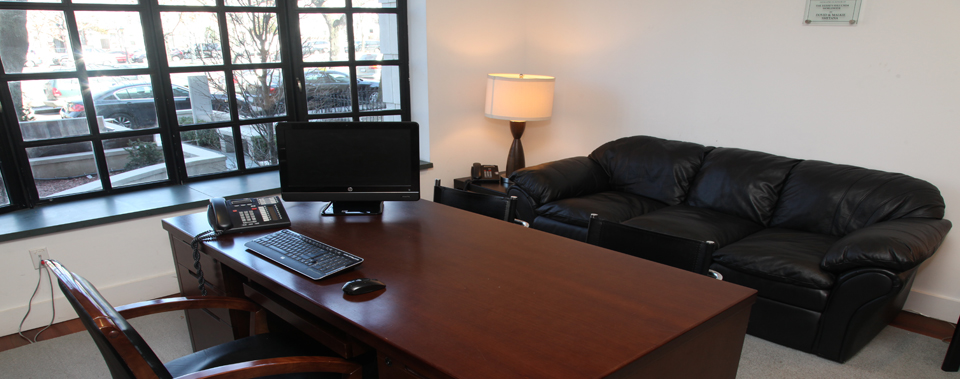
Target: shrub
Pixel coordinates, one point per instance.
(208, 138)
(142, 154)
(262, 149)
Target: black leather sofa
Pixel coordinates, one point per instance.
(831, 249)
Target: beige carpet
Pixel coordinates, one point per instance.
(894, 354)
(76, 355)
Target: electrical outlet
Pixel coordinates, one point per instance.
(38, 254)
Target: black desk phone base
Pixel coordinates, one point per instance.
(243, 215)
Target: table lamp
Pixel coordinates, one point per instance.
(518, 98)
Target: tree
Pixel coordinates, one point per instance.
(254, 38)
(14, 46)
(336, 24)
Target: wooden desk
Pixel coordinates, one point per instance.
(469, 296)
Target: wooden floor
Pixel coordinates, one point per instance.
(909, 321)
(924, 325)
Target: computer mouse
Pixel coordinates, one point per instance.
(362, 286)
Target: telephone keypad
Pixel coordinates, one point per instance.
(248, 218)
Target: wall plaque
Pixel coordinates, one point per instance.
(832, 12)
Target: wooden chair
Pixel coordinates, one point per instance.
(651, 246)
(128, 356)
(500, 207)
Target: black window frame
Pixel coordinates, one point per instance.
(14, 162)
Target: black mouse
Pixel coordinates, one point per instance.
(362, 285)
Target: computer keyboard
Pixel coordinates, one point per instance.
(314, 259)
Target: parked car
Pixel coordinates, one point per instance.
(328, 89)
(93, 57)
(132, 105)
(120, 56)
(62, 59)
(368, 46)
(33, 59)
(369, 72)
(207, 50)
(179, 54)
(56, 89)
(315, 47)
(138, 56)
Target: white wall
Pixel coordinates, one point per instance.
(748, 73)
(128, 262)
(466, 40)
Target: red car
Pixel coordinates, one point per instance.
(120, 56)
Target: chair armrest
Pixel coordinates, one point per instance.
(897, 245)
(150, 307)
(560, 179)
(275, 366)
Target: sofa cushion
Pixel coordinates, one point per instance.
(695, 223)
(827, 198)
(650, 166)
(740, 182)
(610, 205)
(551, 226)
(811, 299)
(781, 255)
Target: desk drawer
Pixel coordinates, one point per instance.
(189, 286)
(183, 256)
(208, 327)
(331, 337)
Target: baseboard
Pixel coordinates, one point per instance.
(118, 294)
(933, 306)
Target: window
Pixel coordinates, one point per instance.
(108, 96)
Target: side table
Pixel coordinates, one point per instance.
(497, 188)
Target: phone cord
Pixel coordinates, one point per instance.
(209, 235)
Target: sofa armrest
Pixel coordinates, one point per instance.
(552, 181)
(898, 245)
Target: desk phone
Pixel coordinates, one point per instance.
(242, 215)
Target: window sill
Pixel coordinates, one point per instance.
(102, 210)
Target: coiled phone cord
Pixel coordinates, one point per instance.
(209, 235)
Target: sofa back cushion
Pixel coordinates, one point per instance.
(828, 198)
(648, 166)
(739, 182)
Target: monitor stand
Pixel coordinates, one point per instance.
(337, 208)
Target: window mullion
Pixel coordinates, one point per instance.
(403, 40)
(163, 98)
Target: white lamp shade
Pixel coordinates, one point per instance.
(519, 97)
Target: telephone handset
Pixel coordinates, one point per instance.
(242, 215)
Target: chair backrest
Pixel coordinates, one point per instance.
(127, 355)
(679, 252)
(500, 207)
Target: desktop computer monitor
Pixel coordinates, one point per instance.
(355, 166)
